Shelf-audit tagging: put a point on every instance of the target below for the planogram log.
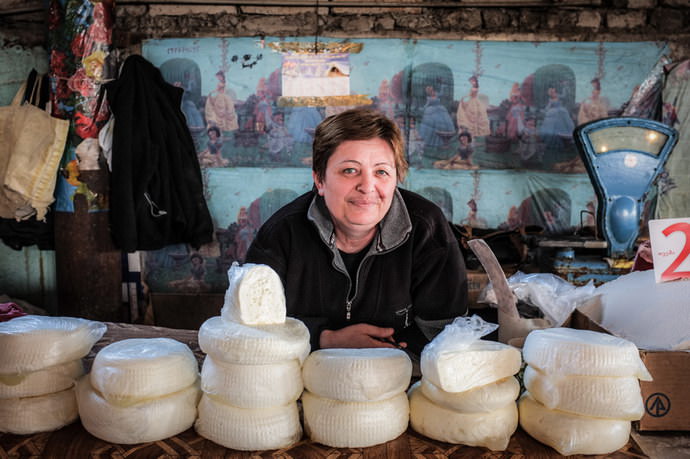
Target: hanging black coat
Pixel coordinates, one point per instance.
(156, 190)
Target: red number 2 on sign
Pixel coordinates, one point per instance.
(670, 272)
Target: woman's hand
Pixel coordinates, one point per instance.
(359, 336)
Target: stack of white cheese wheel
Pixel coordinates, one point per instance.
(251, 376)
(356, 398)
(140, 390)
(40, 361)
(467, 394)
(582, 390)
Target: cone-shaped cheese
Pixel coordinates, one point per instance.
(128, 371)
(252, 386)
(480, 363)
(481, 399)
(31, 343)
(596, 396)
(254, 345)
(570, 433)
(248, 429)
(254, 296)
(149, 420)
(41, 382)
(354, 424)
(357, 375)
(567, 351)
(491, 429)
(44, 413)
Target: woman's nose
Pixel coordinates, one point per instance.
(366, 183)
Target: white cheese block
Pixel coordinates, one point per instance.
(31, 342)
(248, 429)
(44, 413)
(128, 371)
(252, 386)
(488, 397)
(254, 296)
(232, 342)
(597, 396)
(570, 433)
(491, 429)
(568, 351)
(357, 375)
(41, 382)
(146, 421)
(354, 424)
(480, 363)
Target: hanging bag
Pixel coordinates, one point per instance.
(32, 144)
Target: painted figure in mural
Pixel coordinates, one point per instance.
(529, 145)
(263, 113)
(515, 118)
(279, 139)
(437, 126)
(594, 107)
(364, 263)
(212, 156)
(472, 114)
(385, 102)
(244, 235)
(513, 221)
(220, 107)
(558, 124)
(473, 220)
(302, 122)
(196, 280)
(463, 158)
(195, 121)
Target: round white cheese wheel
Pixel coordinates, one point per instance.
(31, 342)
(491, 429)
(40, 382)
(128, 371)
(570, 433)
(597, 396)
(357, 375)
(252, 386)
(254, 345)
(354, 424)
(44, 413)
(480, 363)
(254, 295)
(481, 399)
(146, 421)
(568, 351)
(248, 429)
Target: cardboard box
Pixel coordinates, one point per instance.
(667, 397)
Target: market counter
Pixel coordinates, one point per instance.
(74, 442)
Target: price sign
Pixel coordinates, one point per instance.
(670, 240)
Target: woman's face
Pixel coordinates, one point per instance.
(359, 184)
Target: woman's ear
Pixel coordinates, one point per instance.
(317, 183)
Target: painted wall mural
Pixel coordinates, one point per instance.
(488, 127)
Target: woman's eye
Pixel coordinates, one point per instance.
(382, 172)
(349, 170)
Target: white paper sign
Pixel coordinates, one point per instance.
(670, 240)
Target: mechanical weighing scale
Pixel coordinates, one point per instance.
(623, 157)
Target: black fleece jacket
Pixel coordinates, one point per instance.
(413, 274)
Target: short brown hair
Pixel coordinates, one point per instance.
(356, 124)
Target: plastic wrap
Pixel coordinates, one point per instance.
(252, 386)
(488, 429)
(569, 433)
(354, 424)
(566, 351)
(255, 295)
(596, 396)
(129, 371)
(29, 415)
(254, 345)
(555, 297)
(357, 375)
(458, 360)
(32, 342)
(147, 421)
(248, 430)
(41, 382)
(481, 399)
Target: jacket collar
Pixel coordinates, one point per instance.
(394, 229)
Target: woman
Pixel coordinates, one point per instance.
(364, 263)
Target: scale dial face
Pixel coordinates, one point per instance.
(627, 138)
